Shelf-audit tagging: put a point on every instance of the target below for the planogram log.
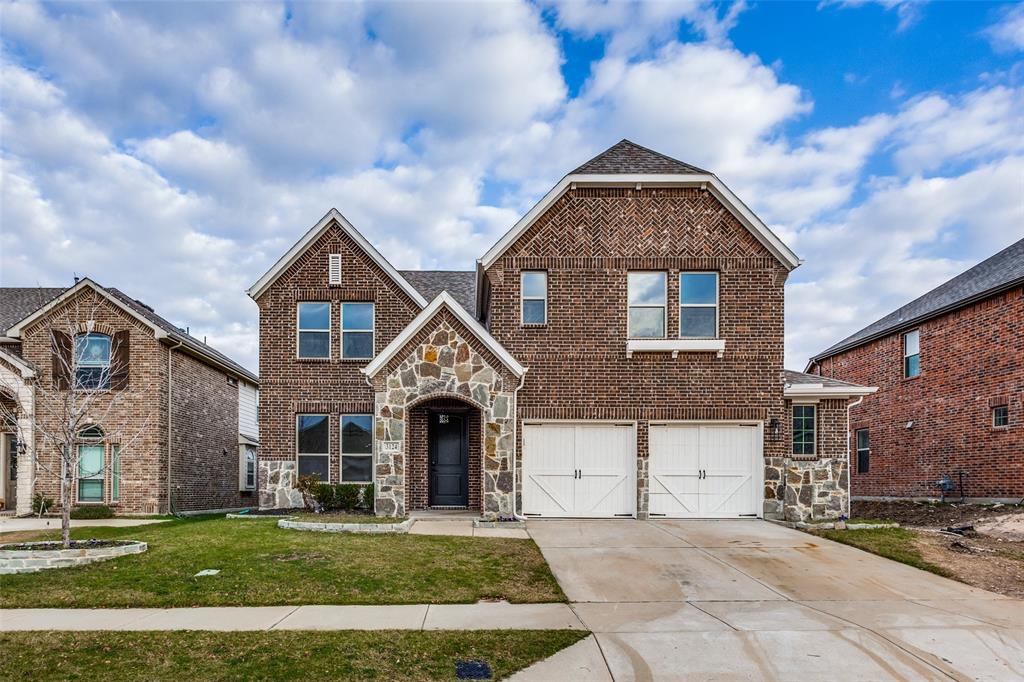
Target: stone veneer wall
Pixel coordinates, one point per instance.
(441, 361)
(277, 485)
(806, 490)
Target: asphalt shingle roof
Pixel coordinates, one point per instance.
(17, 303)
(794, 378)
(1002, 271)
(630, 158)
(461, 284)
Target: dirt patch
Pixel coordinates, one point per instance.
(991, 556)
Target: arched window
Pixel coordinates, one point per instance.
(91, 465)
(92, 361)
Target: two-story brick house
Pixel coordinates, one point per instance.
(949, 367)
(172, 421)
(617, 353)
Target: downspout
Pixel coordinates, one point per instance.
(515, 444)
(170, 384)
(849, 464)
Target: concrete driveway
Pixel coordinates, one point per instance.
(750, 600)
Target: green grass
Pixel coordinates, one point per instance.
(892, 543)
(261, 564)
(308, 655)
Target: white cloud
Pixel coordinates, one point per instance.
(1007, 34)
(908, 12)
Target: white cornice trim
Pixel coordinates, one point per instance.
(443, 300)
(314, 233)
(820, 391)
(17, 329)
(709, 181)
(27, 371)
(675, 346)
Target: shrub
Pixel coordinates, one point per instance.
(307, 486)
(100, 511)
(348, 496)
(41, 505)
(324, 493)
(368, 497)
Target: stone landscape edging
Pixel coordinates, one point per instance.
(318, 527)
(31, 561)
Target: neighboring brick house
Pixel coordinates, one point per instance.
(949, 367)
(189, 415)
(617, 353)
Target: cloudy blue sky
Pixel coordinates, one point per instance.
(177, 150)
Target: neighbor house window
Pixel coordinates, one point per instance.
(314, 330)
(115, 473)
(698, 305)
(356, 448)
(1001, 415)
(92, 361)
(863, 450)
(804, 436)
(249, 468)
(534, 292)
(647, 301)
(90, 473)
(357, 330)
(313, 436)
(911, 354)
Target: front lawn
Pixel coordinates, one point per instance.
(262, 565)
(897, 544)
(309, 655)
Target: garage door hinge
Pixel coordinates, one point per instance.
(628, 515)
(653, 514)
(752, 515)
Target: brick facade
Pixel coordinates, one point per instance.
(972, 360)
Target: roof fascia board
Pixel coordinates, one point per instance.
(184, 345)
(716, 186)
(442, 300)
(27, 372)
(16, 330)
(314, 233)
(795, 391)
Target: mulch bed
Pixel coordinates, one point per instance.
(75, 544)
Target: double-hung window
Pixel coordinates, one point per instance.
(315, 330)
(647, 297)
(1001, 416)
(312, 433)
(92, 361)
(534, 296)
(356, 331)
(698, 305)
(356, 448)
(863, 450)
(90, 473)
(804, 429)
(911, 354)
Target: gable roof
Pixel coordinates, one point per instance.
(332, 217)
(443, 300)
(801, 385)
(1004, 270)
(461, 284)
(162, 329)
(629, 164)
(18, 302)
(628, 157)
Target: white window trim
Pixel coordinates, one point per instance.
(101, 475)
(371, 454)
(714, 305)
(856, 446)
(334, 269)
(115, 472)
(243, 463)
(299, 330)
(664, 306)
(523, 298)
(910, 355)
(82, 363)
(814, 430)
(1000, 426)
(372, 330)
(313, 454)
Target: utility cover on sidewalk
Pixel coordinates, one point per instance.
(473, 670)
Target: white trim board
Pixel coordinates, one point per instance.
(817, 391)
(27, 371)
(85, 282)
(314, 233)
(707, 181)
(443, 299)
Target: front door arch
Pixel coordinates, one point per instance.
(448, 451)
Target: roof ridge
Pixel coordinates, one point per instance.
(615, 159)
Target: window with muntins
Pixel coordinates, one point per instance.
(249, 468)
(647, 297)
(357, 331)
(534, 297)
(911, 354)
(92, 361)
(804, 427)
(90, 473)
(863, 450)
(356, 448)
(698, 305)
(314, 330)
(312, 434)
(1001, 415)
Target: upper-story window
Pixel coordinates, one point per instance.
(534, 296)
(92, 361)
(698, 305)
(356, 331)
(314, 330)
(647, 294)
(1001, 416)
(804, 429)
(911, 354)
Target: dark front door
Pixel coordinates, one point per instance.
(449, 460)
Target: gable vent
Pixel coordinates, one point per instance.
(334, 268)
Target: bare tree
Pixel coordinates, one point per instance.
(82, 406)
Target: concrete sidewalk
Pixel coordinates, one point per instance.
(480, 616)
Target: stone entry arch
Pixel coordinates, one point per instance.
(444, 357)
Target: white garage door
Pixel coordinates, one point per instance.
(705, 471)
(581, 470)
